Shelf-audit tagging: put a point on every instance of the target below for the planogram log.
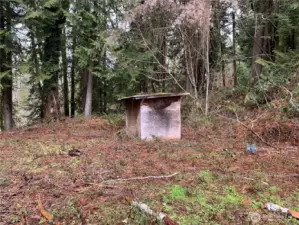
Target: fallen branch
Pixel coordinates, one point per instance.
(139, 178)
(109, 182)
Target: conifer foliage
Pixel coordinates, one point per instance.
(78, 57)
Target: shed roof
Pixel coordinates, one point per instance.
(153, 96)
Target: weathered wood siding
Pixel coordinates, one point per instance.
(132, 117)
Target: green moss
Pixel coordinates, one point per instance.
(178, 193)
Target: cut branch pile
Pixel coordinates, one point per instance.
(268, 129)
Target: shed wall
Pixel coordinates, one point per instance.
(132, 117)
(160, 118)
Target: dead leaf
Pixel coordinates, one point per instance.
(129, 199)
(42, 210)
(294, 213)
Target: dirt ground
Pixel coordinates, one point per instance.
(69, 166)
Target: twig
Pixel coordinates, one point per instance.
(8, 212)
(85, 136)
(247, 178)
(284, 175)
(107, 182)
(139, 178)
(268, 175)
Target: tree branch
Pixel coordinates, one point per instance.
(164, 67)
(139, 178)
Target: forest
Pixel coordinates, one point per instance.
(65, 65)
(79, 57)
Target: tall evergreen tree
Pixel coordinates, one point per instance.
(6, 65)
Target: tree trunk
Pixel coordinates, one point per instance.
(105, 98)
(101, 98)
(1, 115)
(262, 44)
(6, 67)
(36, 67)
(73, 103)
(7, 101)
(234, 50)
(222, 65)
(65, 78)
(207, 74)
(39, 52)
(83, 89)
(223, 73)
(88, 99)
(162, 58)
(256, 68)
(2, 55)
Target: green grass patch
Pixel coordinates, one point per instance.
(178, 193)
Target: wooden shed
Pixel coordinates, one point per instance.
(154, 115)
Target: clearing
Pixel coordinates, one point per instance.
(218, 182)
